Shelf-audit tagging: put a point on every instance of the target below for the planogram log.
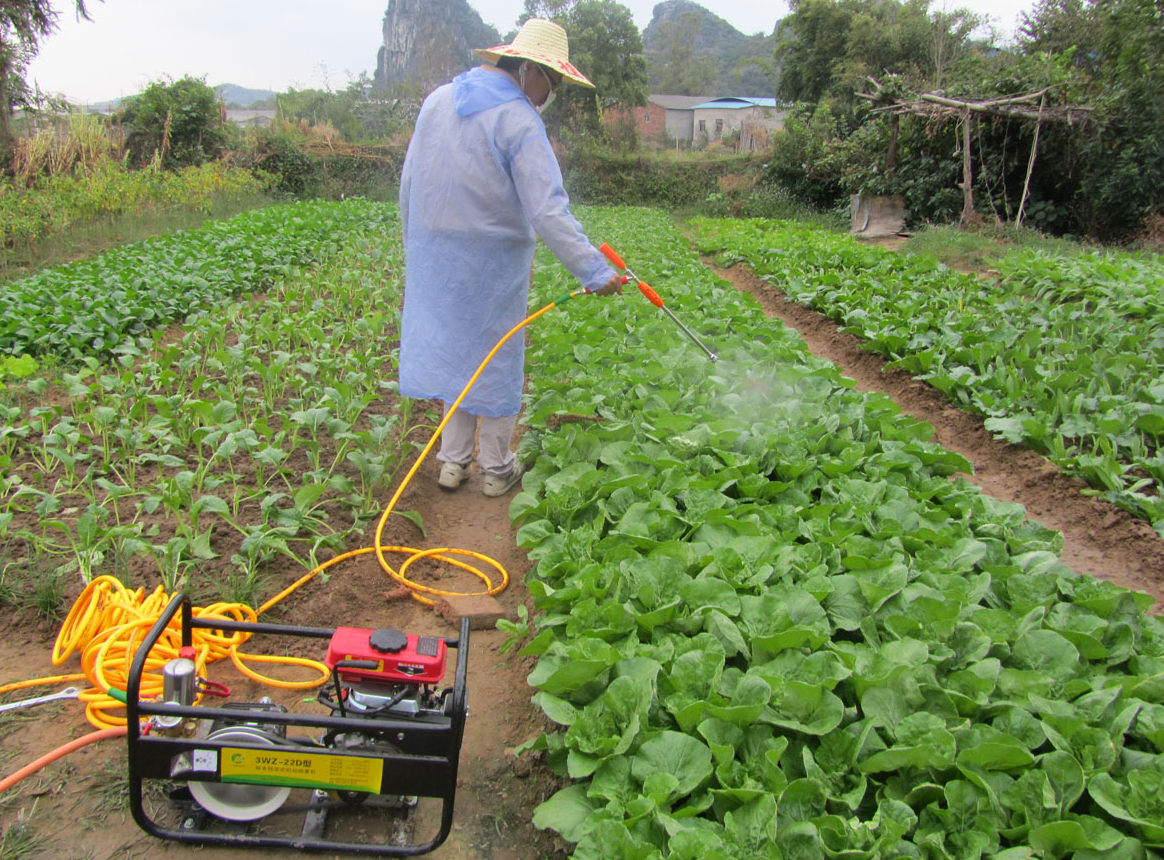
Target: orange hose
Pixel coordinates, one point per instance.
(48, 758)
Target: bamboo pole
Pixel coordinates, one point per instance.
(967, 174)
(1030, 167)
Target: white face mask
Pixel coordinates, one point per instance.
(521, 83)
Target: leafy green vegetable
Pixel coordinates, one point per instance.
(1062, 354)
(776, 625)
(89, 308)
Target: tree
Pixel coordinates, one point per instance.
(551, 10)
(360, 112)
(317, 107)
(606, 46)
(23, 25)
(1059, 26)
(767, 67)
(829, 47)
(1125, 182)
(181, 121)
(810, 43)
(949, 40)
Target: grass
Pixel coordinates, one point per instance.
(979, 248)
(81, 241)
(241, 584)
(31, 585)
(20, 841)
(12, 757)
(764, 201)
(109, 790)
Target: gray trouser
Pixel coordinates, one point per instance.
(457, 441)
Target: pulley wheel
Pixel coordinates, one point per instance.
(238, 801)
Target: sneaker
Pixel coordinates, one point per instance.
(452, 476)
(499, 485)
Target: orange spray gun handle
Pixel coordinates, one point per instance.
(610, 254)
(645, 288)
(653, 297)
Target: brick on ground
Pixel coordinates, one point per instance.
(482, 610)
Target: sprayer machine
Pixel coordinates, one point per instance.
(391, 737)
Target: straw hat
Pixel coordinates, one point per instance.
(543, 42)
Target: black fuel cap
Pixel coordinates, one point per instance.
(387, 640)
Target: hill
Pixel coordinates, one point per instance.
(692, 51)
(233, 94)
(427, 42)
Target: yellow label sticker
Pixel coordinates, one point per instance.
(301, 769)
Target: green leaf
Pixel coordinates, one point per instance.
(1139, 801)
(1046, 652)
(307, 495)
(200, 546)
(213, 504)
(1062, 837)
(413, 517)
(747, 702)
(681, 755)
(612, 839)
(568, 811)
(558, 710)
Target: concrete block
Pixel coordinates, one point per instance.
(482, 610)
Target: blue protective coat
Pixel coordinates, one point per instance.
(479, 179)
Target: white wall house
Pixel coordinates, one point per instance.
(679, 114)
(698, 120)
(251, 118)
(755, 118)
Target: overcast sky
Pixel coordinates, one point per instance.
(278, 44)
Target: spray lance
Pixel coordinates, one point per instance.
(653, 297)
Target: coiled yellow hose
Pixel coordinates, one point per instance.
(108, 621)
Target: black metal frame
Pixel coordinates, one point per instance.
(426, 765)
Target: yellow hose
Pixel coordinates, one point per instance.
(108, 621)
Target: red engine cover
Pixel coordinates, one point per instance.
(403, 659)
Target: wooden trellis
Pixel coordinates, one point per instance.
(940, 108)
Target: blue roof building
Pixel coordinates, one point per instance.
(756, 119)
(737, 103)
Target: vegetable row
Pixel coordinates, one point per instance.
(1064, 355)
(88, 308)
(774, 623)
(264, 429)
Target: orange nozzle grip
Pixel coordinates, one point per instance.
(610, 254)
(652, 297)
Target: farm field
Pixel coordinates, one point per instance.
(770, 618)
(225, 456)
(1063, 356)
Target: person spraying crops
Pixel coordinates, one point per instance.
(480, 184)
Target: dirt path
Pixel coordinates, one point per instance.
(1099, 538)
